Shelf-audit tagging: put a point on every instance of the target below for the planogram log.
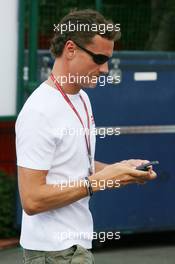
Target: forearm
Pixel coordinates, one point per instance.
(52, 196)
(99, 166)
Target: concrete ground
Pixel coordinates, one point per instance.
(132, 251)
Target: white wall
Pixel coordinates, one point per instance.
(8, 56)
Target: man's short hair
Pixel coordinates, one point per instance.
(87, 23)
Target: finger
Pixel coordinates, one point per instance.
(144, 175)
(129, 179)
(145, 161)
(138, 162)
(152, 173)
(141, 162)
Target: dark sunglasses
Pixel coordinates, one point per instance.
(97, 58)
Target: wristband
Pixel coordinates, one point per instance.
(89, 186)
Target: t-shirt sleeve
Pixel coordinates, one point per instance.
(35, 141)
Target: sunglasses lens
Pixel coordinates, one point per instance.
(100, 59)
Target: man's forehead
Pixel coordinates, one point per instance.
(102, 45)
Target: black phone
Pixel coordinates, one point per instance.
(145, 167)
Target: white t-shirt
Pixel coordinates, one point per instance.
(49, 137)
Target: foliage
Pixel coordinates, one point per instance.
(7, 205)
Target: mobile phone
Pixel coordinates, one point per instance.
(145, 167)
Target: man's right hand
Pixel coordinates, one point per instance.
(121, 174)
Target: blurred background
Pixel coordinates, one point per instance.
(142, 105)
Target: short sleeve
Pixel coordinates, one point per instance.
(35, 142)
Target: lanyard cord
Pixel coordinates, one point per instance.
(59, 88)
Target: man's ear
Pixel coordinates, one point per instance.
(69, 49)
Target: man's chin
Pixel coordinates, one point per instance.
(89, 85)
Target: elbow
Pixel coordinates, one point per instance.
(31, 208)
(30, 211)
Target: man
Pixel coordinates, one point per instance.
(56, 169)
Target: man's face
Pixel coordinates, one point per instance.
(82, 63)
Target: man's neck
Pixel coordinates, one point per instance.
(58, 72)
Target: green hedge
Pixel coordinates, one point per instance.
(7, 205)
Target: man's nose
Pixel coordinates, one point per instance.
(104, 68)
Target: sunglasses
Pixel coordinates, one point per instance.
(97, 58)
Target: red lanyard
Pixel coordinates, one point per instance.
(88, 144)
